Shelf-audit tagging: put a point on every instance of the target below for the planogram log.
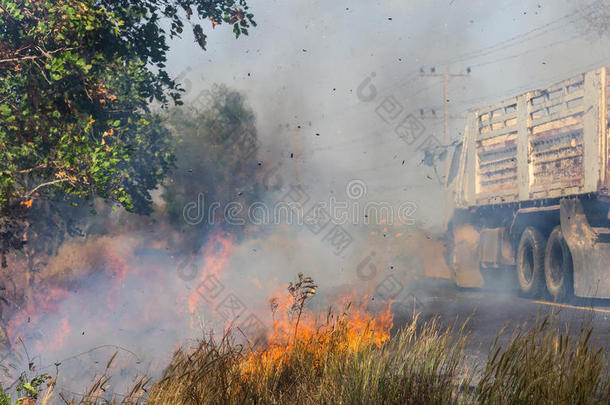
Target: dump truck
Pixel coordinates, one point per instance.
(528, 192)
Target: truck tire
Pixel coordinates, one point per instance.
(530, 262)
(558, 266)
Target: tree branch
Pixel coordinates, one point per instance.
(27, 57)
(48, 183)
(31, 169)
(44, 53)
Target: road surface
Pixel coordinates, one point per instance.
(490, 310)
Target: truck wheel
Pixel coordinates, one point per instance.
(558, 266)
(530, 262)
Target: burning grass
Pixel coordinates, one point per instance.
(423, 363)
(348, 357)
(340, 361)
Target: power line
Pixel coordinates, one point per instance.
(484, 52)
(500, 45)
(532, 85)
(526, 52)
(518, 39)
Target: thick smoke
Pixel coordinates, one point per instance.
(301, 71)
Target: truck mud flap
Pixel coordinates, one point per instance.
(590, 251)
(465, 258)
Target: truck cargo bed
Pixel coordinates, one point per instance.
(543, 144)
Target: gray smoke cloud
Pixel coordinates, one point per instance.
(337, 92)
(304, 63)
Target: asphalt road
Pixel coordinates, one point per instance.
(488, 311)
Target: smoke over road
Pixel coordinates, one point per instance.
(343, 120)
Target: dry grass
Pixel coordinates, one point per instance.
(420, 365)
(342, 362)
(545, 363)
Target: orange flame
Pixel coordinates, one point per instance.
(354, 330)
(216, 254)
(46, 301)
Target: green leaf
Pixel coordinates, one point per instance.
(106, 66)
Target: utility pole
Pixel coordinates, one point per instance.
(447, 75)
(297, 156)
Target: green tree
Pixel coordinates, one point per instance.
(216, 144)
(76, 79)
